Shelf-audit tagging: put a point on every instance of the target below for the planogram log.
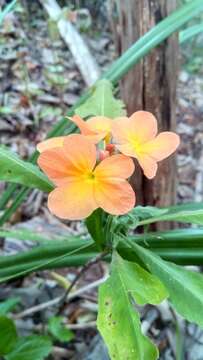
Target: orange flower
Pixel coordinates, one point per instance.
(82, 185)
(50, 143)
(136, 136)
(95, 129)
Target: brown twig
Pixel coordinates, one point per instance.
(47, 304)
(78, 276)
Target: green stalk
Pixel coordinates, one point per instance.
(120, 67)
(45, 252)
(54, 256)
(182, 238)
(8, 8)
(95, 228)
(26, 268)
(181, 257)
(11, 188)
(16, 203)
(36, 265)
(169, 239)
(185, 35)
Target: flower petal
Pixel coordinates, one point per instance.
(143, 125)
(56, 166)
(50, 143)
(82, 125)
(115, 167)
(149, 165)
(95, 128)
(99, 124)
(115, 198)
(140, 127)
(76, 157)
(127, 149)
(121, 130)
(80, 151)
(74, 201)
(95, 139)
(162, 146)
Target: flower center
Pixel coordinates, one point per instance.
(89, 177)
(136, 145)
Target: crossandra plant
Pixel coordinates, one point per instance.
(117, 70)
(86, 176)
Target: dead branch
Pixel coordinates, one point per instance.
(83, 58)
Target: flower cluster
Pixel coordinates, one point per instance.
(90, 170)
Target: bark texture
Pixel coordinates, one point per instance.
(151, 86)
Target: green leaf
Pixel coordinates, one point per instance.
(8, 305)
(8, 335)
(185, 287)
(118, 321)
(31, 348)
(58, 330)
(145, 212)
(13, 169)
(131, 219)
(187, 213)
(143, 286)
(102, 102)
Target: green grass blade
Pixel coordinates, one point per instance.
(6, 196)
(29, 235)
(27, 268)
(44, 252)
(16, 203)
(187, 34)
(119, 68)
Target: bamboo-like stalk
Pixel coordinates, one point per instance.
(173, 246)
(187, 34)
(182, 238)
(25, 268)
(119, 68)
(46, 252)
(179, 256)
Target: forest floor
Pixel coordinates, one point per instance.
(39, 82)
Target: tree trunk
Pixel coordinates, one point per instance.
(150, 86)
